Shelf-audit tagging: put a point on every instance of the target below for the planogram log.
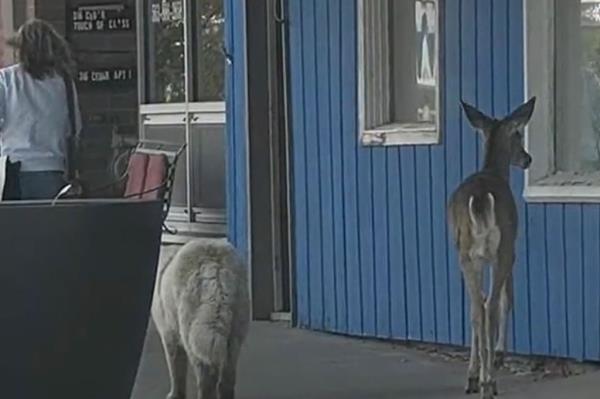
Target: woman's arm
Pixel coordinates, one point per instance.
(2, 102)
(78, 121)
(73, 147)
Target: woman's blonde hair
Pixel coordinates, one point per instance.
(42, 51)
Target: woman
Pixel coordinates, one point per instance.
(36, 121)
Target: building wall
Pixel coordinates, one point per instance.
(373, 253)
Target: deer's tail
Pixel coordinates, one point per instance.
(482, 213)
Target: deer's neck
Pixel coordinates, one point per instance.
(496, 162)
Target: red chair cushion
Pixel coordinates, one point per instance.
(156, 175)
(136, 175)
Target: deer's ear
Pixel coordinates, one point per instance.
(477, 119)
(521, 116)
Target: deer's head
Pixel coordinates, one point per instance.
(504, 137)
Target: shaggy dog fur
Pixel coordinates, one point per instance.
(201, 310)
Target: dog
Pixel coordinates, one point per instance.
(201, 311)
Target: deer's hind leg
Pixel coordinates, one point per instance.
(473, 273)
(506, 304)
(472, 385)
(500, 273)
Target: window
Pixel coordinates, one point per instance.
(12, 15)
(165, 52)
(563, 70)
(182, 94)
(207, 50)
(399, 71)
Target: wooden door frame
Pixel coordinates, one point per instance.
(267, 125)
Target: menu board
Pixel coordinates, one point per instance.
(100, 18)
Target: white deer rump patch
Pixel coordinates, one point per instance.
(485, 231)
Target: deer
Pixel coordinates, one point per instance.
(482, 215)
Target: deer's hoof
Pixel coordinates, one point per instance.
(498, 359)
(472, 385)
(488, 390)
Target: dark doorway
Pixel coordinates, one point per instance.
(269, 144)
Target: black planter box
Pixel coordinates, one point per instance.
(76, 283)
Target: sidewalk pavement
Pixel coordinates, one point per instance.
(283, 363)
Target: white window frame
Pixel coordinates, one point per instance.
(395, 133)
(539, 50)
(201, 113)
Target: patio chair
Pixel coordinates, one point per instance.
(150, 174)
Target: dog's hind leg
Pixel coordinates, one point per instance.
(207, 377)
(227, 376)
(177, 363)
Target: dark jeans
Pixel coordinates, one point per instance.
(38, 185)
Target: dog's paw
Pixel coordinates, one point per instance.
(472, 385)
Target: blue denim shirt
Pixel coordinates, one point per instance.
(34, 120)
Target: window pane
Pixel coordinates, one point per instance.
(414, 61)
(165, 71)
(400, 61)
(176, 135)
(209, 65)
(578, 86)
(208, 166)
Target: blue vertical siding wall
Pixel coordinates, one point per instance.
(373, 253)
(237, 156)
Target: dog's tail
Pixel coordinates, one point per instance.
(216, 286)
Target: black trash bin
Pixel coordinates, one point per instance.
(76, 283)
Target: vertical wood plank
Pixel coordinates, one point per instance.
(468, 64)
(439, 192)
(324, 151)
(454, 157)
(522, 315)
(574, 279)
(591, 283)
(398, 296)
(484, 55)
(424, 241)
(381, 242)
(559, 343)
(440, 250)
(349, 145)
(335, 38)
(301, 279)
(411, 255)
(366, 233)
(539, 288)
(313, 165)
(500, 86)
(500, 81)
